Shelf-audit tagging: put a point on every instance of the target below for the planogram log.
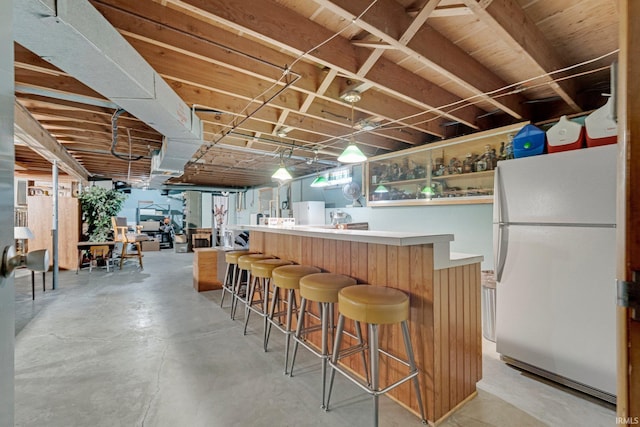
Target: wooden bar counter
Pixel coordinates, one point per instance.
(444, 291)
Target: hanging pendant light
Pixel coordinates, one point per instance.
(381, 189)
(320, 181)
(427, 191)
(352, 154)
(282, 174)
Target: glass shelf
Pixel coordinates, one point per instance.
(455, 171)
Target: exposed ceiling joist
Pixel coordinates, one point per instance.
(507, 19)
(427, 46)
(32, 134)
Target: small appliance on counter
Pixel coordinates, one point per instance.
(339, 217)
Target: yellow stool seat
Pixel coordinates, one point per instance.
(288, 276)
(263, 268)
(231, 257)
(324, 287)
(374, 304)
(245, 261)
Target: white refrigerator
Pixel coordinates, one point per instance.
(554, 246)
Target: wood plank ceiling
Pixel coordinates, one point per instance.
(267, 78)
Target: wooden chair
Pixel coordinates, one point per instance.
(122, 234)
(103, 252)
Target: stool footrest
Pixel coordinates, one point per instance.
(281, 327)
(366, 387)
(255, 309)
(349, 351)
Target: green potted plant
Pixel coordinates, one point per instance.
(98, 206)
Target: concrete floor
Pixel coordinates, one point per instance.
(142, 348)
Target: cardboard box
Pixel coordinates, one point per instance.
(150, 245)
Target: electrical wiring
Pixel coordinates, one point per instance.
(285, 73)
(463, 103)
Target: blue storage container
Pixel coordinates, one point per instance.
(529, 142)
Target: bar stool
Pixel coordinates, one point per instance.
(285, 277)
(375, 306)
(260, 280)
(244, 268)
(231, 258)
(322, 288)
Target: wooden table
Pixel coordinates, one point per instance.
(444, 290)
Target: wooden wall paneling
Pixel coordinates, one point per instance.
(306, 251)
(460, 297)
(393, 332)
(420, 265)
(359, 261)
(404, 273)
(68, 232)
(468, 344)
(452, 341)
(318, 253)
(329, 248)
(434, 401)
(343, 258)
(256, 241)
(40, 210)
(444, 343)
(476, 335)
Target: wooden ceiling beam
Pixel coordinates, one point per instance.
(389, 21)
(191, 38)
(171, 55)
(29, 131)
(512, 25)
(125, 120)
(72, 125)
(284, 28)
(325, 123)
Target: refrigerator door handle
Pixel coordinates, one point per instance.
(501, 247)
(497, 190)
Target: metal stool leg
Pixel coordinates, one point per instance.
(375, 368)
(272, 311)
(412, 367)
(299, 328)
(236, 291)
(290, 307)
(334, 356)
(248, 298)
(325, 347)
(225, 284)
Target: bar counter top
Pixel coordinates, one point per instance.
(443, 257)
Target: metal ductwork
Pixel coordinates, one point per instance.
(75, 37)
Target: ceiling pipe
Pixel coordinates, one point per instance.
(75, 37)
(286, 72)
